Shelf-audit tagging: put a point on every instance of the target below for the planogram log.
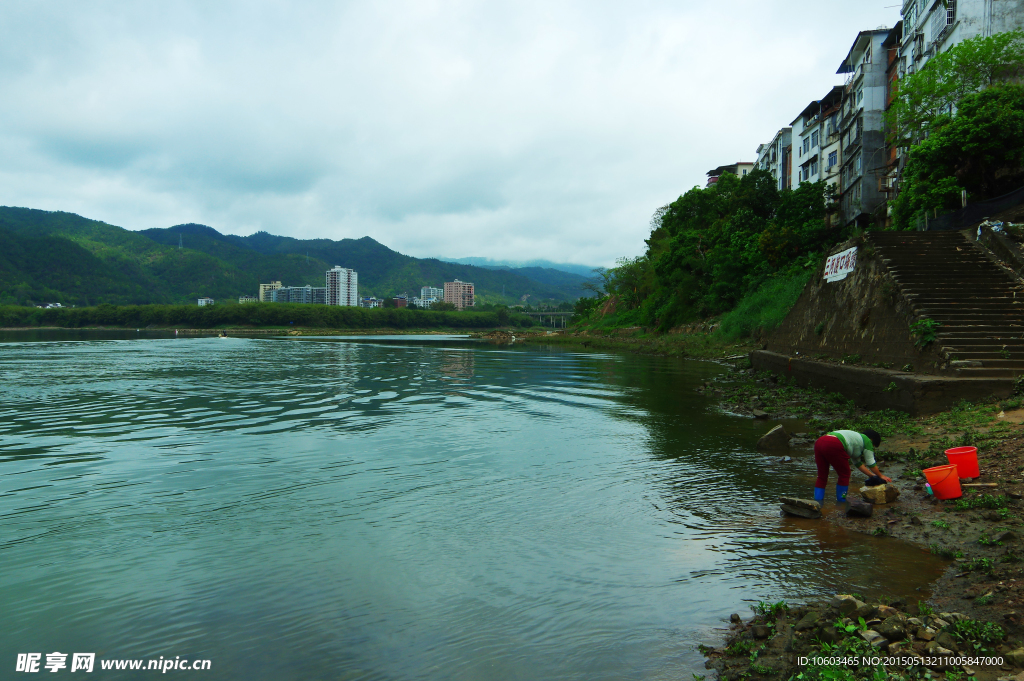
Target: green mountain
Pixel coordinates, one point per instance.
(62, 257)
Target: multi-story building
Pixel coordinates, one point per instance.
(266, 289)
(816, 140)
(247, 299)
(861, 130)
(775, 158)
(739, 169)
(459, 293)
(203, 302)
(930, 26)
(430, 292)
(893, 153)
(310, 295)
(342, 286)
(370, 301)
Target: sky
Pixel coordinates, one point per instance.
(507, 130)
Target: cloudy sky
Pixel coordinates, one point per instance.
(509, 130)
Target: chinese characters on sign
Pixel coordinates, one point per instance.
(839, 265)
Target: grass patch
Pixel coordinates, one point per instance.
(764, 308)
(981, 501)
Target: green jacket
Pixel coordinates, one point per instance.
(857, 445)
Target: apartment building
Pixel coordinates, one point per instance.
(931, 26)
(309, 295)
(775, 158)
(428, 292)
(459, 293)
(739, 169)
(862, 139)
(266, 289)
(816, 140)
(342, 286)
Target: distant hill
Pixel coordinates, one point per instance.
(586, 271)
(62, 257)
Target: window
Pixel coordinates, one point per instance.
(950, 12)
(814, 168)
(814, 140)
(860, 95)
(744, 171)
(833, 159)
(856, 164)
(807, 145)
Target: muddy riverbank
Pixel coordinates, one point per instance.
(981, 534)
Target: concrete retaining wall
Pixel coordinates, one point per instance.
(873, 388)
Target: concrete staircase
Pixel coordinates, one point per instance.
(979, 305)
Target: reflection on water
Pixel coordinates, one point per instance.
(393, 509)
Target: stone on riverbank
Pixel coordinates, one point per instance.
(860, 509)
(808, 621)
(776, 438)
(760, 414)
(846, 604)
(803, 508)
(880, 494)
(874, 638)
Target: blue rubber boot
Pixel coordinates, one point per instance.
(841, 491)
(819, 495)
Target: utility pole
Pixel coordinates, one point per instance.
(179, 242)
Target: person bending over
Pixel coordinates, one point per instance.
(838, 450)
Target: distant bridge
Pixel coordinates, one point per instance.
(557, 320)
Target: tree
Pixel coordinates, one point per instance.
(935, 91)
(443, 306)
(979, 149)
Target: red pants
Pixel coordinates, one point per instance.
(829, 451)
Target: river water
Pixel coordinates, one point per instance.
(393, 508)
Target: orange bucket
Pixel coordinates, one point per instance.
(944, 481)
(966, 461)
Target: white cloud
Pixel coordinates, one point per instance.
(516, 130)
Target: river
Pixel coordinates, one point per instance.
(393, 508)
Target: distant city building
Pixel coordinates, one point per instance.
(203, 302)
(738, 169)
(425, 303)
(247, 299)
(370, 301)
(459, 293)
(342, 286)
(266, 289)
(428, 292)
(309, 295)
(402, 300)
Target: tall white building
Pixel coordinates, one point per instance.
(342, 286)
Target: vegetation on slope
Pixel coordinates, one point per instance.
(714, 246)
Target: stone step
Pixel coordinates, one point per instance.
(985, 372)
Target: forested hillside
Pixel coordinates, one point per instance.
(62, 257)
